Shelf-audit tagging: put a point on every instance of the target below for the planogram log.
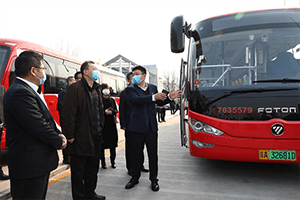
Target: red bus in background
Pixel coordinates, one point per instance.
(241, 86)
(58, 67)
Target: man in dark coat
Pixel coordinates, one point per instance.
(125, 108)
(32, 136)
(83, 120)
(60, 102)
(172, 107)
(143, 124)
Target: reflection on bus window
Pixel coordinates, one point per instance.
(238, 58)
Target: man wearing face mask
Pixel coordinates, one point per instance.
(82, 124)
(32, 136)
(125, 108)
(143, 124)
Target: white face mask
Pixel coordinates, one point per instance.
(106, 91)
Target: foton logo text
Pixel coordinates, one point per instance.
(277, 110)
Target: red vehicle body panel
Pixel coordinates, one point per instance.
(14, 44)
(232, 147)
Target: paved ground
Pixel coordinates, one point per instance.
(183, 177)
(111, 182)
(60, 178)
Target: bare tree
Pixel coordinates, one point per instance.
(172, 80)
(65, 46)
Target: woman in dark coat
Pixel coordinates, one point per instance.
(110, 133)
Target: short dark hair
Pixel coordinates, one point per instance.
(128, 76)
(25, 61)
(85, 65)
(76, 74)
(104, 86)
(69, 78)
(138, 67)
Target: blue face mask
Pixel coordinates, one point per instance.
(95, 75)
(42, 80)
(136, 79)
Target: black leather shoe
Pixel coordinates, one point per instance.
(103, 165)
(144, 169)
(154, 186)
(113, 166)
(97, 196)
(131, 184)
(4, 177)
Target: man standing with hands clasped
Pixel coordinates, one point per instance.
(83, 121)
(143, 124)
(32, 136)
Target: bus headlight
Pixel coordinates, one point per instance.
(198, 126)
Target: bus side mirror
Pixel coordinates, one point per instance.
(177, 35)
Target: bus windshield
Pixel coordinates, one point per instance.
(4, 54)
(247, 58)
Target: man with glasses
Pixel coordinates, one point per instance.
(82, 124)
(32, 136)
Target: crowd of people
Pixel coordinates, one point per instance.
(88, 121)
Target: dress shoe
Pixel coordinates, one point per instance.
(154, 186)
(97, 196)
(144, 169)
(113, 166)
(131, 184)
(3, 176)
(103, 166)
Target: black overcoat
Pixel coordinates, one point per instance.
(77, 118)
(110, 133)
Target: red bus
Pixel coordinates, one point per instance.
(58, 67)
(241, 86)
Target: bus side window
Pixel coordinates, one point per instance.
(72, 67)
(57, 75)
(12, 74)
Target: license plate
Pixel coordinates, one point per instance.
(277, 155)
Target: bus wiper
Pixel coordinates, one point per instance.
(258, 90)
(284, 80)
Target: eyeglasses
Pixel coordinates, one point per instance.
(44, 68)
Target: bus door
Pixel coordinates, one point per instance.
(183, 102)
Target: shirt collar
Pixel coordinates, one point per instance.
(144, 89)
(95, 85)
(32, 85)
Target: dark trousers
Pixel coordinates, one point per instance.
(34, 188)
(138, 141)
(163, 114)
(159, 115)
(84, 170)
(128, 149)
(172, 110)
(112, 155)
